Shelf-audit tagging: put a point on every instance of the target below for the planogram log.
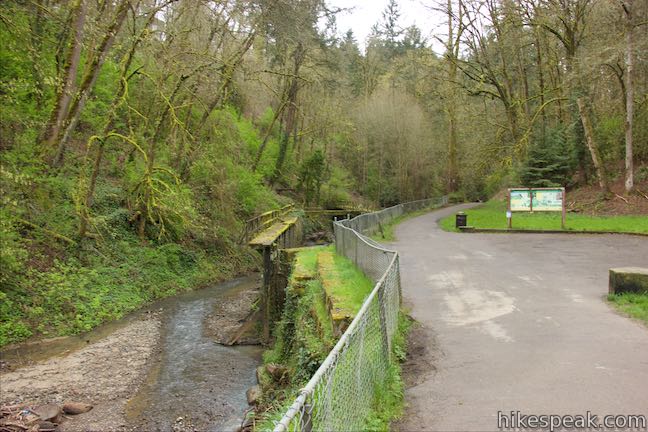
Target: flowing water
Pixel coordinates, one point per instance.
(194, 383)
(197, 380)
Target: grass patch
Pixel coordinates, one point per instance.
(306, 260)
(343, 282)
(353, 285)
(389, 402)
(634, 305)
(304, 338)
(387, 233)
(492, 214)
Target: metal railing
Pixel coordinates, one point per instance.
(340, 394)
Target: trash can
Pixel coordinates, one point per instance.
(461, 220)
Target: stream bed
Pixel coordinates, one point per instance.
(188, 381)
(197, 383)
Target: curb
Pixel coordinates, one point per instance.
(536, 231)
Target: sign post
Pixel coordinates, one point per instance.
(536, 199)
(564, 209)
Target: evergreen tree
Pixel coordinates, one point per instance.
(548, 163)
(389, 29)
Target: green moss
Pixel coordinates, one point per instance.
(306, 259)
(272, 233)
(492, 214)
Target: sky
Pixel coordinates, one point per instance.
(365, 13)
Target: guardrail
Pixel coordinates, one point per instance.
(264, 220)
(340, 394)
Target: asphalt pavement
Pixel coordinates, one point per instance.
(519, 322)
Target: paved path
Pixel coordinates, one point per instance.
(519, 322)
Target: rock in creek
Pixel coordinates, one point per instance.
(48, 412)
(253, 395)
(279, 373)
(74, 408)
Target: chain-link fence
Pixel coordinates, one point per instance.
(340, 394)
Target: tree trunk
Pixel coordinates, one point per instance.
(629, 86)
(150, 163)
(36, 47)
(67, 83)
(452, 150)
(452, 171)
(88, 81)
(110, 122)
(591, 144)
(541, 83)
(291, 112)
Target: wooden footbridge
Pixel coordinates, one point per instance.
(271, 232)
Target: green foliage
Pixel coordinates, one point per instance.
(78, 294)
(389, 402)
(335, 191)
(610, 135)
(297, 342)
(93, 116)
(160, 197)
(493, 215)
(497, 180)
(311, 176)
(641, 175)
(548, 163)
(634, 305)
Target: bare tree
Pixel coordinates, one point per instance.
(87, 83)
(628, 6)
(67, 82)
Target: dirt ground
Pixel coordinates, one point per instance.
(104, 374)
(421, 353)
(588, 200)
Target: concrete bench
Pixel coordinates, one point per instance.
(628, 280)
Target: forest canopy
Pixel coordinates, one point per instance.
(154, 128)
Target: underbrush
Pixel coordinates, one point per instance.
(85, 288)
(59, 279)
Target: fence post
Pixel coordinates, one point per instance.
(383, 323)
(398, 281)
(356, 252)
(307, 418)
(267, 263)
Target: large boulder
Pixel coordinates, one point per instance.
(628, 280)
